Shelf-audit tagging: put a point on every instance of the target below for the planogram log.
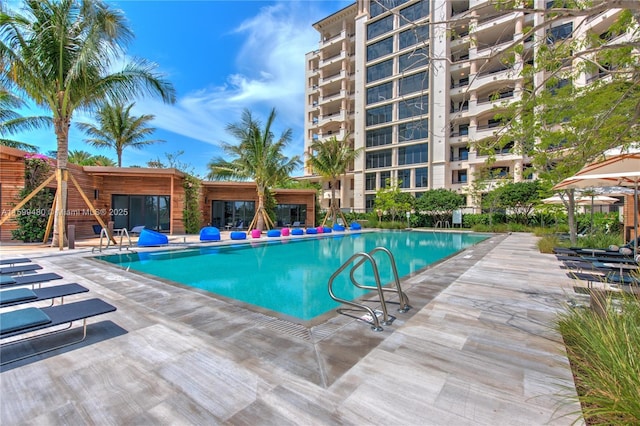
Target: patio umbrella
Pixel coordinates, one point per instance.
(617, 170)
(592, 199)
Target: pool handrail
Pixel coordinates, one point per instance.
(402, 297)
(375, 322)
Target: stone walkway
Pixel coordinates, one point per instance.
(479, 348)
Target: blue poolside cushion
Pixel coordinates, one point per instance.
(209, 233)
(297, 231)
(312, 231)
(22, 319)
(6, 279)
(238, 235)
(15, 295)
(150, 238)
(273, 233)
(356, 226)
(326, 229)
(338, 227)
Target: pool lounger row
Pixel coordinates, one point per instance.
(27, 320)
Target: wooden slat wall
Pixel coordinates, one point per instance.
(11, 183)
(628, 217)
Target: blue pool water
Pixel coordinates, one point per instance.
(290, 276)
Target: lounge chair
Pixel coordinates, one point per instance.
(295, 224)
(18, 296)
(8, 281)
(19, 269)
(239, 225)
(14, 260)
(26, 320)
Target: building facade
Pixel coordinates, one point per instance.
(417, 82)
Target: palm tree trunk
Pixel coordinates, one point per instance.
(334, 215)
(260, 210)
(59, 225)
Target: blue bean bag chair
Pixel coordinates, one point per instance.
(355, 226)
(273, 233)
(149, 238)
(209, 233)
(326, 230)
(312, 231)
(337, 227)
(238, 235)
(297, 231)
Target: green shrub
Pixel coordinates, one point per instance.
(603, 351)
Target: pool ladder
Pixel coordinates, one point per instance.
(122, 232)
(371, 316)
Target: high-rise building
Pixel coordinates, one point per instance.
(417, 82)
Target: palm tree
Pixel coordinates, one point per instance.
(257, 156)
(331, 159)
(118, 129)
(11, 121)
(61, 54)
(84, 158)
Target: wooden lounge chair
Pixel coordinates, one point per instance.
(9, 281)
(18, 296)
(27, 320)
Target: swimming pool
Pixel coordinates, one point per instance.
(290, 276)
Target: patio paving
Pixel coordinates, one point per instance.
(478, 348)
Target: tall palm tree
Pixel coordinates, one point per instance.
(257, 156)
(118, 129)
(331, 158)
(11, 121)
(61, 54)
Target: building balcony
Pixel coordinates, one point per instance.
(335, 58)
(490, 77)
(332, 40)
(339, 116)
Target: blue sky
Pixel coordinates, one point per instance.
(222, 57)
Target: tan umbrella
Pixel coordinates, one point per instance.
(617, 170)
(595, 200)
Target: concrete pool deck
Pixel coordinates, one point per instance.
(479, 348)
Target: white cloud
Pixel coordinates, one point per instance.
(270, 73)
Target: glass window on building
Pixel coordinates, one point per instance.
(381, 114)
(422, 179)
(379, 49)
(150, 211)
(378, 7)
(370, 182)
(414, 83)
(378, 159)
(379, 137)
(286, 214)
(413, 130)
(229, 214)
(414, 60)
(415, 12)
(418, 34)
(369, 202)
(380, 93)
(385, 178)
(413, 154)
(560, 32)
(380, 71)
(412, 107)
(404, 178)
(380, 27)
